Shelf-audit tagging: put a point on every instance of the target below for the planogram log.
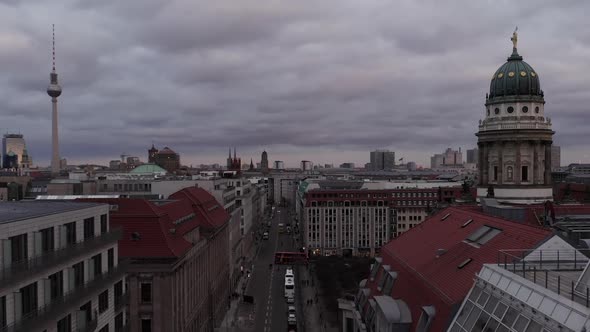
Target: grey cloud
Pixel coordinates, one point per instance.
(299, 76)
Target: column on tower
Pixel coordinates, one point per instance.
(486, 165)
(535, 145)
(481, 163)
(518, 167)
(548, 163)
(500, 147)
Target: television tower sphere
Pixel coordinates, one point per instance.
(54, 90)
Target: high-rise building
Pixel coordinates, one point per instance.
(279, 164)
(472, 156)
(167, 159)
(555, 157)
(515, 137)
(264, 162)
(13, 145)
(306, 165)
(382, 160)
(54, 91)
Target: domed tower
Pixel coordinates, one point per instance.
(54, 91)
(515, 137)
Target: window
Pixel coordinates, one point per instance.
(497, 111)
(29, 298)
(103, 301)
(146, 325)
(56, 285)
(119, 322)
(88, 228)
(525, 109)
(19, 248)
(78, 274)
(70, 233)
(426, 318)
(537, 109)
(525, 173)
(509, 173)
(103, 224)
(2, 311)
(65, 324)
(510, 109)
(146, 292)
(87, 308)
(97, 262)
(104, 328)
(111, 258)
(47, 239)
(482, 235)
(495, 173)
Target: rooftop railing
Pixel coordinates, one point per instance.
(39, 317)
(26, 269)
(564, 272)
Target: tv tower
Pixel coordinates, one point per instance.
(54, 91)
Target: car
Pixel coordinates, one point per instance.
(289, 273)
(290, 300)
(291, 310)
(268, 224)
(265, 236)
(291, 319)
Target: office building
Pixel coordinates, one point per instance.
(178, 248)
(13, 148)
(555, 157)
(279, 164)
(356, 218)
(472, 156)
(382, 160)
(60, 268)
(264, 163)
(306, 165)
(449, 158)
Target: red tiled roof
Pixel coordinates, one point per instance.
(424, 279)
(159, 235)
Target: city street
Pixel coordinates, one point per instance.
(267, 285)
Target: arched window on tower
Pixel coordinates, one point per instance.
(509, 173)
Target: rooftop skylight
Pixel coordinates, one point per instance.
(445, 217)
(482, 235)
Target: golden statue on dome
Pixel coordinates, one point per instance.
(514, 37)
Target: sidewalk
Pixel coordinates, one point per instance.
(314, 319)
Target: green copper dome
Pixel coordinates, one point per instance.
(515, 78)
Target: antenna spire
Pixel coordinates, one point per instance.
(53, 33)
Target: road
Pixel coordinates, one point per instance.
(267, 286)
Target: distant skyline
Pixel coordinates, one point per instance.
(302, 79)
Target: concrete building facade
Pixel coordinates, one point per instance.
(382, 160)
(60, 268)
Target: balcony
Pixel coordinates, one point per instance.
(24, 270)
(71, 301)
(564, 272)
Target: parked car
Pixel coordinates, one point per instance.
(265, 236)
(291, 310)
(290, 300)
(291, 320)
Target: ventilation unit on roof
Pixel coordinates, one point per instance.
(445, 217)
(172, 230)
(467, 223)
(135, 236)
(464, 263)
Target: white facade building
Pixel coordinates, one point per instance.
(59, 268)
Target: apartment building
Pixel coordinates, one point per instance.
(179, 262)
(357, 218)
(60, 269)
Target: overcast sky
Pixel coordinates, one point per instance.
(326, 81)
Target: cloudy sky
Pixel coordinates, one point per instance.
(321, 80)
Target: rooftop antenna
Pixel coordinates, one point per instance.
(53, 35)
